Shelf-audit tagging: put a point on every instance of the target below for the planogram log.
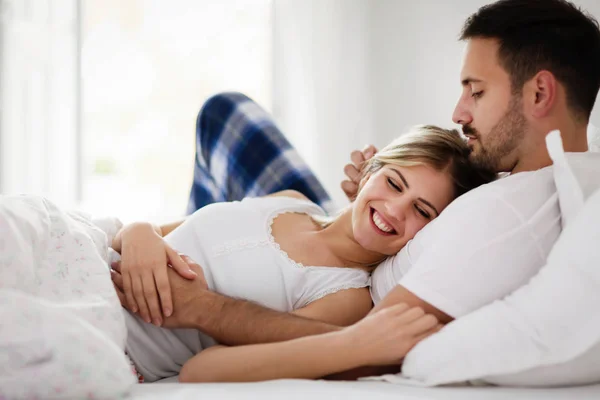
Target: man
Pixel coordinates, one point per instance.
(530, 66)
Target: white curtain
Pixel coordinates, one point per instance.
(322, 88)
(39, 148)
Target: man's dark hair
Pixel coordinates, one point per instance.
(552, 35)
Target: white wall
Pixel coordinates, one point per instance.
(352, 72)
(416, 58)
(322, 99)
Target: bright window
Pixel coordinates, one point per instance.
(147, 67)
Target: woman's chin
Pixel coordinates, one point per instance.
(374, 245)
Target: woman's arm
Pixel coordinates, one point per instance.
(383, 338)
(162, 230)
(145, 259)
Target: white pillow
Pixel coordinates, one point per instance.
(546, 333)
(593, 135)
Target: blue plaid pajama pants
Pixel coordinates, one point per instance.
(240, 153)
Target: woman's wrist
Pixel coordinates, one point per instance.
(346, 344)
(140, 227)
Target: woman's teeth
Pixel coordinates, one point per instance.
(380, 224)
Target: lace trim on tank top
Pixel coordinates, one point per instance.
(320, 295)
(273, 242)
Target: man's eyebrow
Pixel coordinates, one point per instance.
(468, 81)
(420, 198)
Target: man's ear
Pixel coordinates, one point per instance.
(540, 93)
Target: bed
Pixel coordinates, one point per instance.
(313, 390)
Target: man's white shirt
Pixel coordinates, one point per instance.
(483, 246)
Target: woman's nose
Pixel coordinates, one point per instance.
(397, 209)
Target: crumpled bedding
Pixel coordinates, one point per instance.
(62, 331)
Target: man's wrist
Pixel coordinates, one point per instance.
(205, 309)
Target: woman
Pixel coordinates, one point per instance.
(283, 252)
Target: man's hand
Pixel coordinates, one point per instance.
(185, 294)
(354, 170)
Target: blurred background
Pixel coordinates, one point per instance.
(98, 98)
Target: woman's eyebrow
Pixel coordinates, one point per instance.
(422, 200)
(401, 177)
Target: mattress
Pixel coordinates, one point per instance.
(315, 390)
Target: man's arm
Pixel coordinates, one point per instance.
(236, 322)
(379, 339)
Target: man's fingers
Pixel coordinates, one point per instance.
(369, 151)
(357, 158)
(116, 266)
(164, 291)
(117, 279)
(179, 265)
(352, 172)
(350, 189)
(151, 297)
(120, 295)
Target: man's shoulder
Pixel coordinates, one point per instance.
(522, 202)
(519, 193)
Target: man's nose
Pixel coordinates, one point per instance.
(461, 114)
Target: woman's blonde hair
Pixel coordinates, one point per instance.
(444, 150)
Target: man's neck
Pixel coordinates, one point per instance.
(574, 138)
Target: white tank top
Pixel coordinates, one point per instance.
(240, 258)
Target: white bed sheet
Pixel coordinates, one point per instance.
(315, 390)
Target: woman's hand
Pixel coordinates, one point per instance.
(145, 257)
(385, 337)
(185, 291)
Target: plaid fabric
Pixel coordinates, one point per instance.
(241, 153)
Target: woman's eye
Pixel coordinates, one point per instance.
(477, 95)
(424, 213)
(394, 186)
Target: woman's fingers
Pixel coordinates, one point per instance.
(422, 325)
(411, 314)
(179, 265)
(164, 291)
(196, 268)
(138, 294)
(151, 297)
(128, 289)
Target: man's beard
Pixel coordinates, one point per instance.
(501, 141)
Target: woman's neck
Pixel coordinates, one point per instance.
(339, 238)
